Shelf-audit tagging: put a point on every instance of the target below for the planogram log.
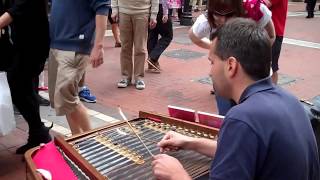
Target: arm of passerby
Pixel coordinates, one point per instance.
(154, 11)
(97, 52)
(17, 9)
(165, 11)
(200, 31)
(271, 32)
(266, 22)
(5, 20)
(101, 8)
(201, 42)
(115, 10)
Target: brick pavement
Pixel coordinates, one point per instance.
(177, 84)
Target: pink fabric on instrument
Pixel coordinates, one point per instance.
(49, 158)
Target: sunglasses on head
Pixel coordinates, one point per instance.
(225, 14)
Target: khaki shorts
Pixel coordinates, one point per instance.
(65, 71)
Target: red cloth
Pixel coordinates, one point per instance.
(49, 158)
(279, 15)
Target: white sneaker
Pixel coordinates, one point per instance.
(140, 84)
(123, 83)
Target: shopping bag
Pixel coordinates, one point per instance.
(7, 120)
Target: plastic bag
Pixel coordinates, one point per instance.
(7, 120)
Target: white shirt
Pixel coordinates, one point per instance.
(201, 28)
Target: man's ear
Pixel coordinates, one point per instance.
(232, 67)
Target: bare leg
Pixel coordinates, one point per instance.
(78, 120)
(275, 77)
(81, 83)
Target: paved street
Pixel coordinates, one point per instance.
(183, 82)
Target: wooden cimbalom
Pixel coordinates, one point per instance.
(114, 152)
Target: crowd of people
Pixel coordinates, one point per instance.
(244, 44)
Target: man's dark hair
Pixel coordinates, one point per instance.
(248, 43)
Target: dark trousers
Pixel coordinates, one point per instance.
(21, 78)
(310, 6)
(276, 50)
(5, 50)
(155, 45)
(179, 12)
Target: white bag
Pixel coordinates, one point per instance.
(7, 120)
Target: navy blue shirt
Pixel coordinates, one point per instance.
(267, 136)
(72, 23)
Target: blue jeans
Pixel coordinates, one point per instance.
(224, 105)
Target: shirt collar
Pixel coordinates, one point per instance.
(260, 85)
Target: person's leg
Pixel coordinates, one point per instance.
(66, 101)
(126, 36)
(193, 3)
(276, 49)
(179, 13)
(152, 38)
(82, 80)
(78, 119)
(41, 100)
(152, 42)
(310, 8)
(200, 2)
(166, 32)
(24, 97)
(140, 27)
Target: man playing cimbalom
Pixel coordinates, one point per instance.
(266, 136)
(134, 17)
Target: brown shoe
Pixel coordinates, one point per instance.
(118, 44)
(153, 67)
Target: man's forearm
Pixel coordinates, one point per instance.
(5, 20)
(203, 146)
(101, 24)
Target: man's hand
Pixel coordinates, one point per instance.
(96, 56)
(152, 23)
(168, 168)
(173, 141)
(165, 19)
(115, 17)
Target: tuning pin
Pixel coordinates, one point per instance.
(205, 135)
(173, 128)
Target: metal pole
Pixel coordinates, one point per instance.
(186, 19)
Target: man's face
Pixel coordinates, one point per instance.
(217, 72)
